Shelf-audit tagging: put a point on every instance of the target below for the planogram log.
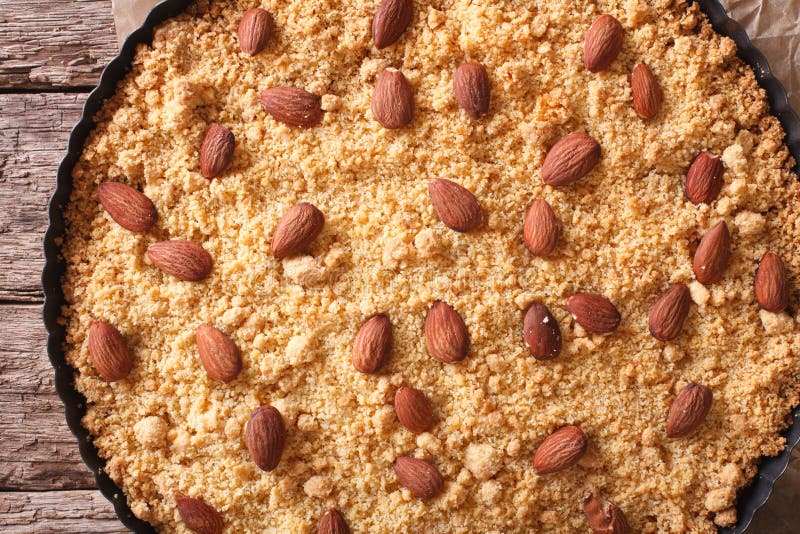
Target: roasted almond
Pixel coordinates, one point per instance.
(216, 152)
(446, 336)
(393, 100)
(199, 517)
(595, 313)
(298, 227)
(332, 523)
(255, 30)
(570, 159)
(541, 332)
(109, 352)
(128, 207)
(182, 259)
(455, 205)
(604, 518)
(603, 43)
(413, 409)
(218, 354)
(390, 21)
(265, 436)
(471, 86)
(704, 179)
(647, 93)
(293, 106)
(419, 477)
(373, 344)
(669, 312)
(540, 230)
(772, 285)
(560, 450)
(713, 254)
(688, 410)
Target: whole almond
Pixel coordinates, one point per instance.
(182, 259)
(713, 254)
(446, 336)
(265, 436)
(772, 285)
(420, 478)
(540, 230)
(216, 152)
(688, 410)
(332, 523)
(199, 517)
(293, 106)
(560, 450)
(373, 344)
(704, 179)
(390, 21)
(595, 313)
(603, 43)
(255, 30)
(472, 89)
(218, 354)
(669, 312)
(604, 518)
(455, 205)
(109, 352)
(541, 332)
(298, 227)
(393, 100)
(413, 409)
(647, 93)
(570, 159)
(128, 207)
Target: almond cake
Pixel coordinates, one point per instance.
(448, 267)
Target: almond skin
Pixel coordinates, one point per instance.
(413, 410)
(669, 312)
(184, 260)
(128, 207)
(199, 517)
(604, 518)
(419, 477)
(298, 227)
(373, 344)
(603, 43)
(218, 354)
(541, 332)
(704, 179)
(446, 336)
(472, 89)
(713, 254)
(332, 523)
(595, 313)
(109, 352)
(541, 230)
(390, 21)
(647, 94)
(688, 410)
(455, 205)
(265, 436)
(293, 106)
(772, 285)
(216, 152)
(393, 100)
(570, 159)
(255, 30)
(560, 450)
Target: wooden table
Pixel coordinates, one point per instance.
(51, 56)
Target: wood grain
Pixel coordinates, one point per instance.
(57, 512)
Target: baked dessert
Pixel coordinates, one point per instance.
(435, 267)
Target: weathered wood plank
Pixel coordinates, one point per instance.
(57, 512)
(54, 43)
